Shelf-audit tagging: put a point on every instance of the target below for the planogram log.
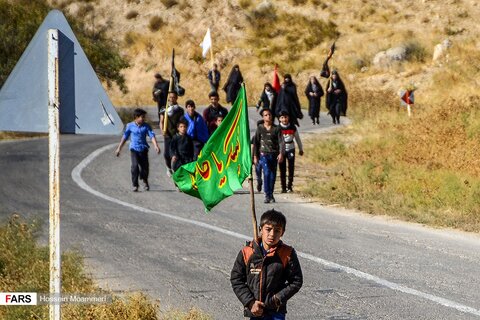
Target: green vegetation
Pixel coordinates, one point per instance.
(169, 3)
(407, 168)
(132, 14)
(285, 38)
(155, 23)
(25, 16)
(24, 267)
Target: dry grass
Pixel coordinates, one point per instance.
(4, 135)
(403, 167)
(24, 267)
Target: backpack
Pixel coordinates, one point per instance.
(284, 252)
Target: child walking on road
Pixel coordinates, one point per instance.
(138, 130)
(181, 147)
(290, 135)
(267, 273)
(269, 149)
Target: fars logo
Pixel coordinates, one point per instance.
(18, 298)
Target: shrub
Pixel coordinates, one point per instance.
(25, 17)
(245, 4)
(155, 23)
(85, 10)
(132, 14)
(415, 52)
(286, 36)
(298, 2)
(169, 3)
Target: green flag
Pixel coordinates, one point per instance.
(225, 160)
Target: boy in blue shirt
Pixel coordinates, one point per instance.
(138, 130)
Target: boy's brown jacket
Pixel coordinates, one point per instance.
(272, 279)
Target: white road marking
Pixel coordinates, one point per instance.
(77, 178)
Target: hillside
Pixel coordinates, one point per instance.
(257, 34)
(425, 168)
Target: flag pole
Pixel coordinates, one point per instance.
(165, 115)
(170, 89)
(211, 57)
(252, 194)
(252, 201)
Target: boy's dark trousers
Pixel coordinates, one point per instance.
(166, 151)
(197, 147)
(290, 158)
(139, 166)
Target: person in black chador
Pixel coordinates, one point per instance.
(160, 92)
(214, 78)
(233, 84)
(337, 97)
(314, 92)
(268, 98)
(288, 100)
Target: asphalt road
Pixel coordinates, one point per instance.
(162, 243)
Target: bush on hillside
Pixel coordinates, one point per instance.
(286, 36)
(25, 17)
(155, 23)
(132, 14)
(169, 3)
(298, 2)
(415, 52)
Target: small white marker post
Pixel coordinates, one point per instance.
(409, 110)
(54, 170)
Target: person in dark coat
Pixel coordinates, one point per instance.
(288, 101)
(213, 111)
(160, 91)
(214, 78)
(174, 113)
(337, 97)
(233, 84)
(181, 147)
(268, 98)
(314, 92)
(267, 272)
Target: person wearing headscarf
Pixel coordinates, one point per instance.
(314, 92)
(337, 97)
(233, 84)
(268, 98)
(288, 100)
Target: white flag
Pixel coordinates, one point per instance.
(206, 43)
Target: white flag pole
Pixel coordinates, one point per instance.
(54, 170)
(211, 54)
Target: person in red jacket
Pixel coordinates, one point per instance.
(267, 273)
